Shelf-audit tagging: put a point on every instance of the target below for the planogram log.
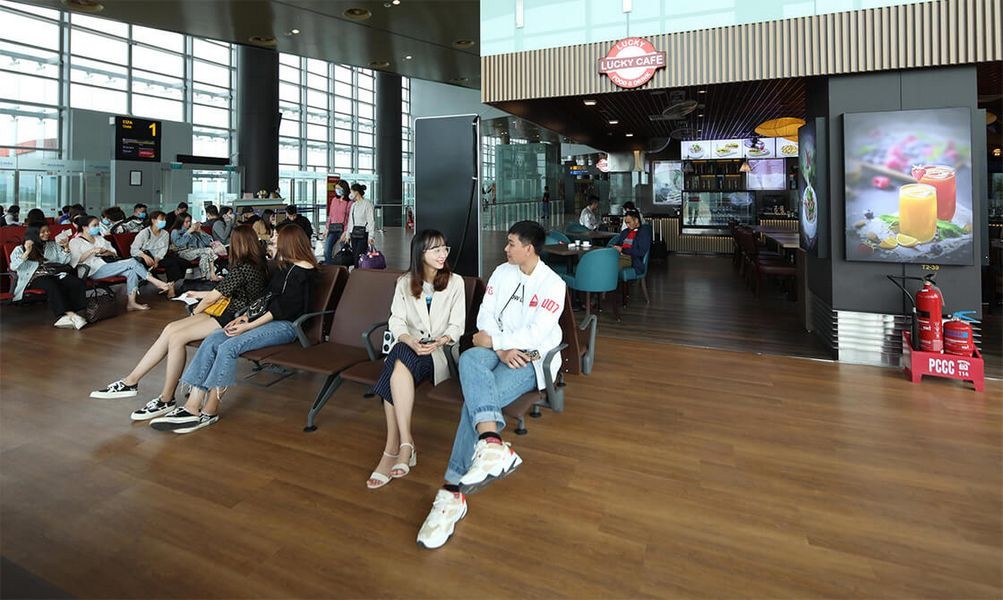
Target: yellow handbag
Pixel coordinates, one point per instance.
(217, 308)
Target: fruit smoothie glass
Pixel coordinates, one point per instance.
(942, 178)
(918, 211)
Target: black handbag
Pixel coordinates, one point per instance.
(344, 257)
(50, 269)
(101, 304)
(259, 307)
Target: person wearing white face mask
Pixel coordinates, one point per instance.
(90, 248)
(361, 225)
(151, 247)
(337, 218)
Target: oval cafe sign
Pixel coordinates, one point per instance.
(631, 62)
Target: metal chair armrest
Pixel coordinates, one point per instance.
(298, 324)
(367, 334)
(555, 395)
(454, 368)
(590, 355)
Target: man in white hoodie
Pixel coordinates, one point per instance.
(518, 323)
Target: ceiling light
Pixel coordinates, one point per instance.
(701, 91)
(357, 14)
(589, 102)
(86, 6)
(745, 168)
(395, 2)
(463, 43)
(263, 40)
(379, 64)
(294, 31)
(700, 115)
(408, 57)
(628, 135)
(613, 121)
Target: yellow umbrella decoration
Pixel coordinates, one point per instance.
(785, 127)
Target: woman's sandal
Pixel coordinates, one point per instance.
(379, 477)
(405, 467)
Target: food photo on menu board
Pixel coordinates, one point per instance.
(813, 208)
(726, 149)
(667, 183)
(909, 186)
(759, 147)
(787, 148)
(695, 150)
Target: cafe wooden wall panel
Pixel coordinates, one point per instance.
(926, 34)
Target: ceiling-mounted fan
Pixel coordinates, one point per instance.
(675, 112)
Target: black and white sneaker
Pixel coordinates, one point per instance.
(117, 389)
(177, 418)
(204, 420)
(153, 409)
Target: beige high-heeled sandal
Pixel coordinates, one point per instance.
(380, 477)
(405, 467)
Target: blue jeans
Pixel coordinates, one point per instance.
(489, 385)
(129, 268)
(334, 231)
(215, 363)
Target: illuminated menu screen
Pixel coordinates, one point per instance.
(137, 139)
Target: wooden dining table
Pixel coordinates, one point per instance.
(567, 250)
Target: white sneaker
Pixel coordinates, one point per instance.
(64, 322)
(447, 510)
(153, 409)
(492, 461)
(78, 322)
(117, 389)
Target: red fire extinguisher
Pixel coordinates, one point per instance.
(927, 314)
(930, 314)
(959, 338)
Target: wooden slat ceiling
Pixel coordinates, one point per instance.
(728, 111)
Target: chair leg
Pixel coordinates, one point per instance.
(588, 304)
(644, 288)
(520, 428)
(330, 386)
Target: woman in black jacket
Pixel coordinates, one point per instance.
(267, 322)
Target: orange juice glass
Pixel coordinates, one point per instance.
(918, 211)
(943, 179)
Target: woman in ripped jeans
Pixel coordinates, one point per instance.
(213, 369)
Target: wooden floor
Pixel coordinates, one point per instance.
(674, 472)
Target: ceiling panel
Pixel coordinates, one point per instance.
(423, 29)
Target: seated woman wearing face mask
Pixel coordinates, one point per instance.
(152, 248)
(188, 240)
(90, 248)
(42, 263)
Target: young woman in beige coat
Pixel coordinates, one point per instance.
(427, 314)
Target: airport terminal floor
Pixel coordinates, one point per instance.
(673, 472)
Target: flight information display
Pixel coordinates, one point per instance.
(137, 139)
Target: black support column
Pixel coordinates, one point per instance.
(389, 165)
(258, 117)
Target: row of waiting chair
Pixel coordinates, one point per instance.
(349, 312)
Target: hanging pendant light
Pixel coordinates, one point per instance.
(745, 168)
(785, 127)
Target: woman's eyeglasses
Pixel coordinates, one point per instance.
(439, 249)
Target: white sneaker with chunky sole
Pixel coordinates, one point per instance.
(492, 461)
(153, 409)
(447, 510)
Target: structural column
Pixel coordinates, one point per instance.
(258, 117)
(389, 165)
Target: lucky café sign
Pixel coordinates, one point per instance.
(631, 62)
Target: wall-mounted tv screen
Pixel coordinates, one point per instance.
(908, 181)
(769, 174)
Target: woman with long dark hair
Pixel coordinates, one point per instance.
(265, 226)
(337, 218)
(42, 263)
(266, 322)
(244, 283)
(88, 247)
(188, 240)
(428, 312)
(152, 247)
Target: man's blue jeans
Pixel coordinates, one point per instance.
(489, 385)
